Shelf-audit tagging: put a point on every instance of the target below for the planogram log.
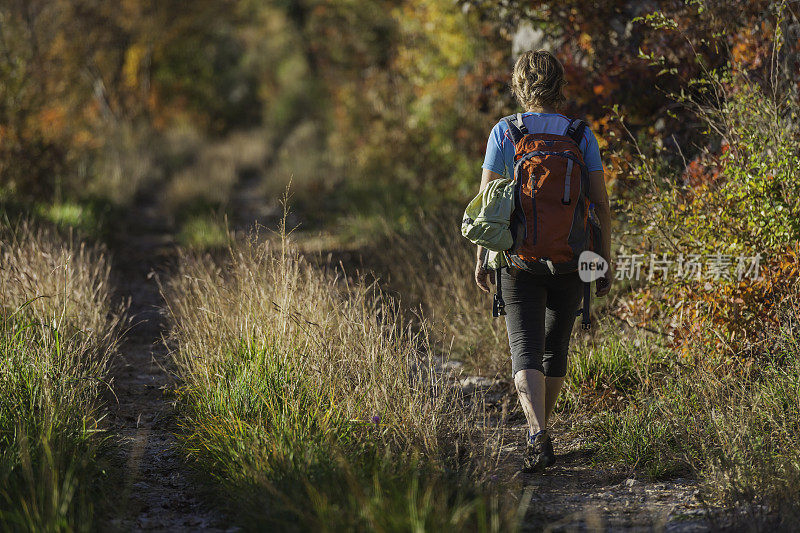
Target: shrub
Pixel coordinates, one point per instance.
(745, 207)
(725, 408)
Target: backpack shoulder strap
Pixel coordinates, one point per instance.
(575, 130)
(516, 127)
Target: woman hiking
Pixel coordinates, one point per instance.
(541, 305)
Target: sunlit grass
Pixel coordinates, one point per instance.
(57, 331)
(204, 233)
(733, 426)
(310, 400)
(69, 215)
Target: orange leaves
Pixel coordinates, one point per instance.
(736, 317)
(733, 318)
(85, 139)
(750, 47)
(702, 170)
(747, 50)
(52, 121)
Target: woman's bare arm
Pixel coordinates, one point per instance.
(599, 197)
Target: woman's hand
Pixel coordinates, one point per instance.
(604, 284)
(483, 276)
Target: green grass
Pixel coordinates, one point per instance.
(733, 426)
(294, 460)
(48, 430)
(204, 233)
(90, 218)
(71, 215)
(645, 435)
(610, 365)
(57, 332)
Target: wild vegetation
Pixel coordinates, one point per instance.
(58, 330)
(315, 404)
(314, 389)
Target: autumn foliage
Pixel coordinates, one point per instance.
(426, 78)
(395, 100)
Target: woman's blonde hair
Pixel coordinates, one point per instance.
(538, 80)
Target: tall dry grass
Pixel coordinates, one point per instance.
(58, 329)
(432, 268)
(315, 405)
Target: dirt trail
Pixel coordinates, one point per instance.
(574, 495)
(157, 492)
(578, 494)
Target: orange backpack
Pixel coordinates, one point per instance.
(550, 223)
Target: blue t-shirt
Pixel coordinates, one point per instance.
(500, 148)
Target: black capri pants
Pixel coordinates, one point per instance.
(540, 313)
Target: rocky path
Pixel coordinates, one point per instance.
(156, 492)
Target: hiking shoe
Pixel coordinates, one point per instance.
(538, 453)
